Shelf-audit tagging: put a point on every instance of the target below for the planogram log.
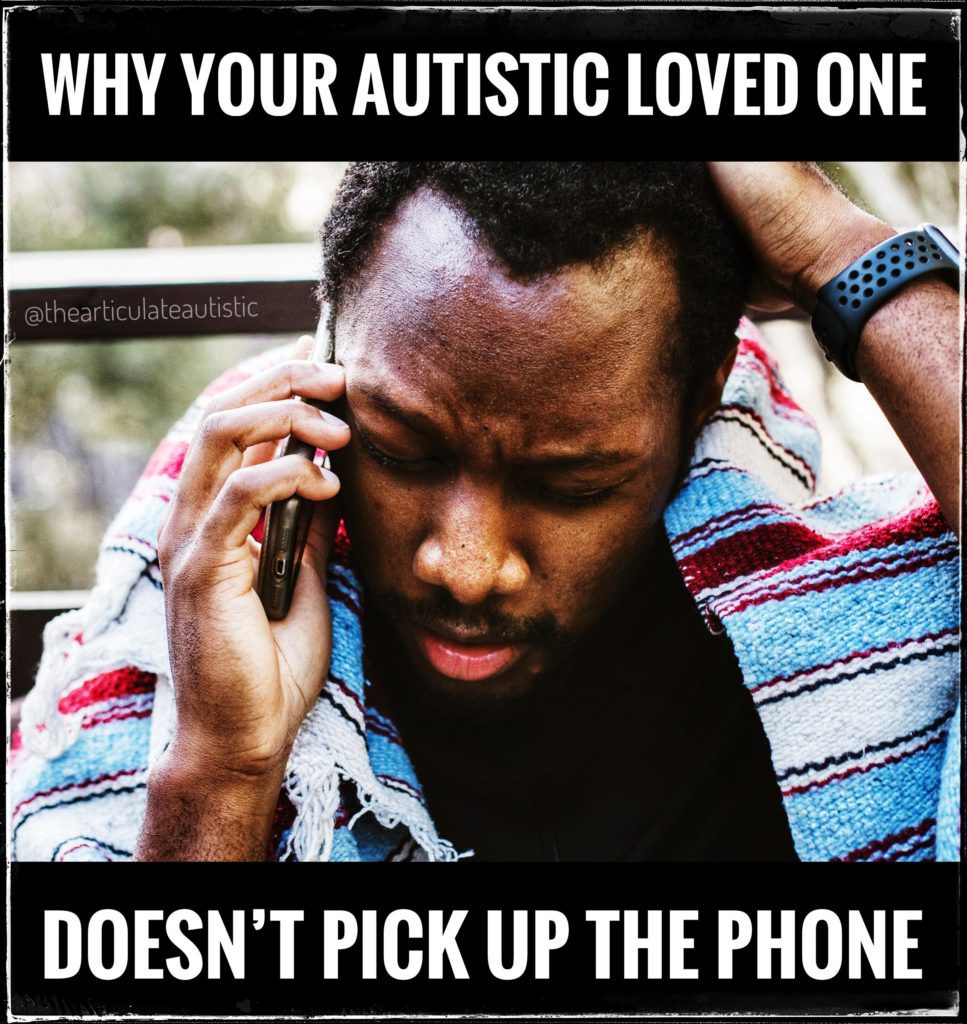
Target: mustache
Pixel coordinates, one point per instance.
(441, 612)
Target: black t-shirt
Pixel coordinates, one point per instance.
(659, 756)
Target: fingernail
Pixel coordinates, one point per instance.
(333, 421)
(329, 475)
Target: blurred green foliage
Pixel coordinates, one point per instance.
(84, 418)
(117, 205)
(83, 421)
(902, 192)
(114, 390)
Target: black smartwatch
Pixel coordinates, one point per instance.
(845, 303)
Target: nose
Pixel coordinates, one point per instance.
(468, 549)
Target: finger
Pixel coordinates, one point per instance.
(301, 625)
(322, 530)
(248, 490)
(304, 346)
(163, 520)
(308, 620)
(279, 383)
(765, 296)
(322, 381)
(259, 453)
(224, 438)
(762, 306)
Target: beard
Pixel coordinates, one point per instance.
(501, 698)
(441, 613)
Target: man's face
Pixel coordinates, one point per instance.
(514, 445)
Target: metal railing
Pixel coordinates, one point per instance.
(77, 296)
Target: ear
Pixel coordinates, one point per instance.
(711, 397)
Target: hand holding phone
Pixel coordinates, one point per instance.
(286, 523)
(242, 682)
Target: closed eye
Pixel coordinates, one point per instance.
(578, 499)
(542, 491)
(392, 461)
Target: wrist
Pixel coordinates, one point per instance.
(200, 816)
(851, 238)
(189, 772)
(248, 742)
(876, 278)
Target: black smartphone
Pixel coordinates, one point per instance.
(286, 524)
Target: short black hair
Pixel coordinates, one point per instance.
(539, 217)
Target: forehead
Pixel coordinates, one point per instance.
(435, 311)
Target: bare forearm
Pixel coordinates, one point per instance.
(909, 358)
(195, 815)
(804, 232)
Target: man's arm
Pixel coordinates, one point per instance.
(242, 684)
(804, 232)
(199, 811)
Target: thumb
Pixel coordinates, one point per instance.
(309, 596)
(322, 531)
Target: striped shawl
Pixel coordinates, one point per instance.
(843, 613)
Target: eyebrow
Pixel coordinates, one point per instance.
(420, 423)
(591, 458)
(414, 420)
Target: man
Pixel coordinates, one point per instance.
(525, 357)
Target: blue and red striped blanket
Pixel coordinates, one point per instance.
(843, 613)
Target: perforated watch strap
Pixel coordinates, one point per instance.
(845, 303)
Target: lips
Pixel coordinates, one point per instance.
(470, 662)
